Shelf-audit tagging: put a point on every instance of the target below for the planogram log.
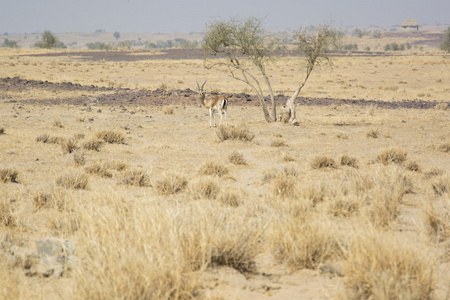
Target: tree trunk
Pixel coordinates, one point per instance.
(290, 112)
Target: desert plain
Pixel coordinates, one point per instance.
(113, 161)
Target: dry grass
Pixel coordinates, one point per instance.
(135, 177)
(378, 266)
(168, 109)
(379, 231)
(240, 132)
(8, 175)
(109, 136)
(372, 133)
(171, 183)
(73, 180)
(69, 145)
(321, 162)
(237, 158)
(213, 168)
(444, 147)
(93, 144)
(392, 156)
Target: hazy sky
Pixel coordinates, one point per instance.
(60, 16)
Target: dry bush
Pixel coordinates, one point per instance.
(236, 242)
(135, 177)
(58, 123)
(384, 199)
(213, 168)
(396, 156)
(42, 199)
(320, 162)
(2, 130)
(345, 207)
(433, 173)
(441, 185)
(122, 260)
(171, 183)
(278, 143)
(8, 175)
(205, 188)
(288, 158)
(7, 213)
(78, 158)
(237, 158)
(112, 137)
(69, 145)
(115, 165)
(412, 166)
(284, 185)
(378, 266)
(93, 144)
(437, 222)
(231, 197)
(168, 109)
(372, 133)
(441, 106)
(305, 244)
(241, 133)
(98, 169)
(346, 160)
(74, 180)
(444, 147)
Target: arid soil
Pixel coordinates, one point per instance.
(159, 97)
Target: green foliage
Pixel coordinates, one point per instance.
(100, 46)
(49, 41)
(116, 35)
(397, 47)
(445, 45)
(7, 43)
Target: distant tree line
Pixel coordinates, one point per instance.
(176, 43)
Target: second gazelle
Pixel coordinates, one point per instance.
(215, 104)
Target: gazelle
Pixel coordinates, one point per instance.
(215, 104)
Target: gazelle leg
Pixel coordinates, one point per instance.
(211, 118)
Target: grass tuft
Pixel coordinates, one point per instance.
(171, 183)
(234, 133)
(237, 158)
(74, 180)
(168, 109)
(112, 137)
(8, 175)
(93, 144)
(346, 160)
(69, 145)
(213, 168)
(321, 162)
(392, 156)
(135, 177)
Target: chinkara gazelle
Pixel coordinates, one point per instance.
(215, 104)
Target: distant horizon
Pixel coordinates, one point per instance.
(169, 16)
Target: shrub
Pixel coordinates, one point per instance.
(373, 133)
(278, 143)
(49, 41)
(79, 158)
(441, 185)
(444, 147)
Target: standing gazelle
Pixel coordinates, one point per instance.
(215, 104)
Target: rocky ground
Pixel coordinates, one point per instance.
(159, 97)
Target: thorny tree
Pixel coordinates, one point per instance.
(246, 46)
(314, 44)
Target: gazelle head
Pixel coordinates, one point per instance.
(200, 88)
